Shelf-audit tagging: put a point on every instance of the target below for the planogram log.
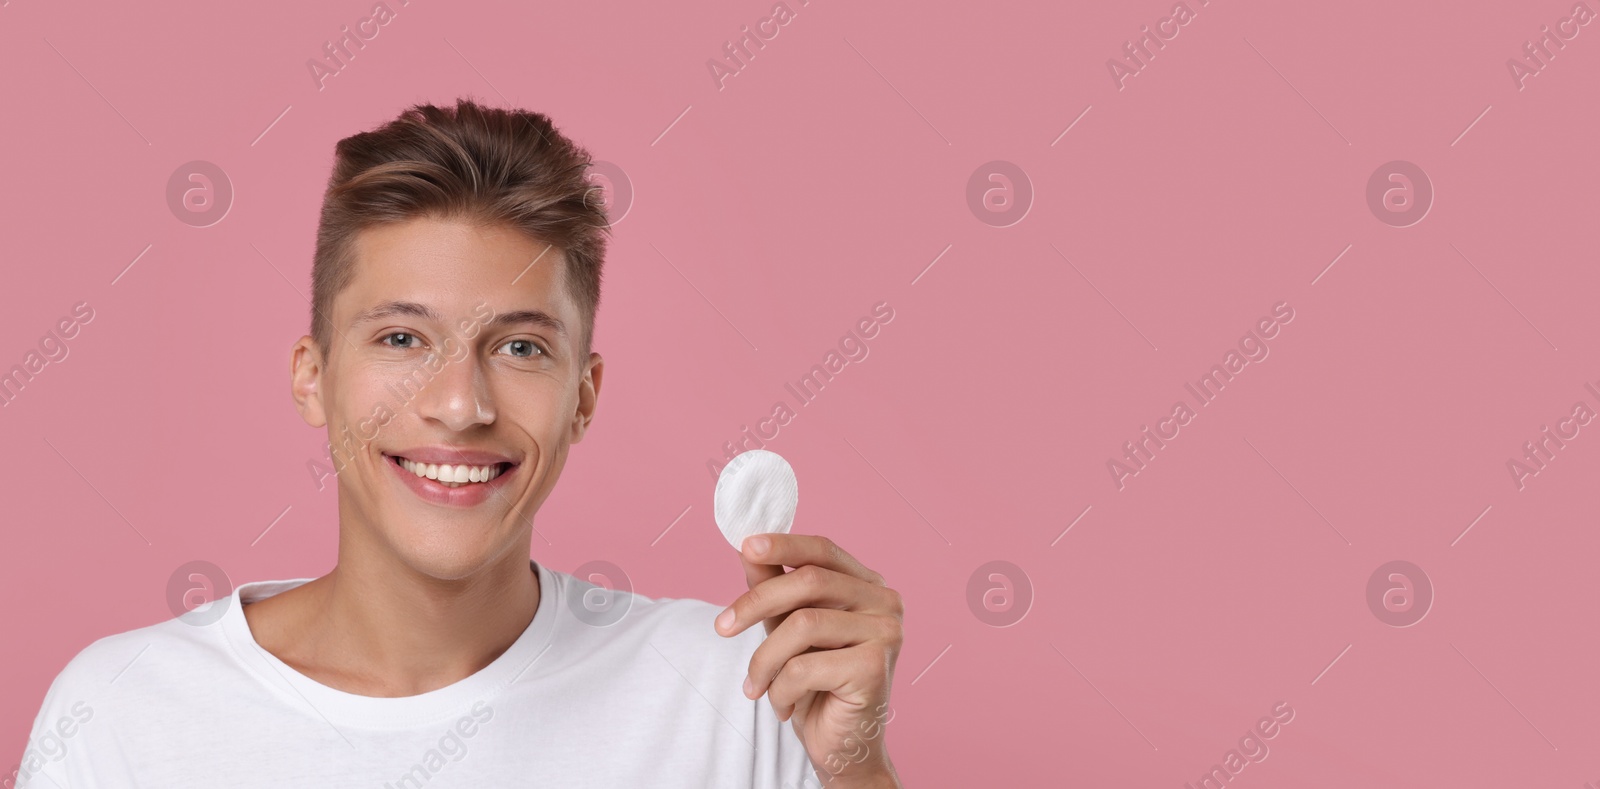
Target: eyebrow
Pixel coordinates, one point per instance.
(413, 309)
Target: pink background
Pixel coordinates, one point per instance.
(822, 180)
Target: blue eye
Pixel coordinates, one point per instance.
(407, 335)
(527, 345)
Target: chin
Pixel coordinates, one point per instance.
(445, 555)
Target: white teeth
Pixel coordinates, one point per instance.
(451, 476)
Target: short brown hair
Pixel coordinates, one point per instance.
(483, 164)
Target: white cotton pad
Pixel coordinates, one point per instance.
(756, 494)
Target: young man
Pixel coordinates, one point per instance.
(457, 272)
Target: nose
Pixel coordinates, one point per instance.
(458, 396)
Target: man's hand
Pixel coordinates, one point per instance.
(833, 635)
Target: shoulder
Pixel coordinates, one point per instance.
(662, 659)
(626, 619)
(111, 665)
(115, 677)
(112, 660)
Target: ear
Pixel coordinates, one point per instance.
(588, 395)
(306, 366)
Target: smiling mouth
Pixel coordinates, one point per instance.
(452, 476)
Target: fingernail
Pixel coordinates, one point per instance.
(725, 619)
(748, 687)
(759, 545)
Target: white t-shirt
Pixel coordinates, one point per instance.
(652, 699)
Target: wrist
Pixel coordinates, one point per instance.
(879, 778)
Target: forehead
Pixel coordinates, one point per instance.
(454, 265)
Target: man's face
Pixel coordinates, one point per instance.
(446, 351)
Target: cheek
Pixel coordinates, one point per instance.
(360, 405)
(361, 394)
(542, 410)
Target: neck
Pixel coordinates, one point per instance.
(402, 632)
